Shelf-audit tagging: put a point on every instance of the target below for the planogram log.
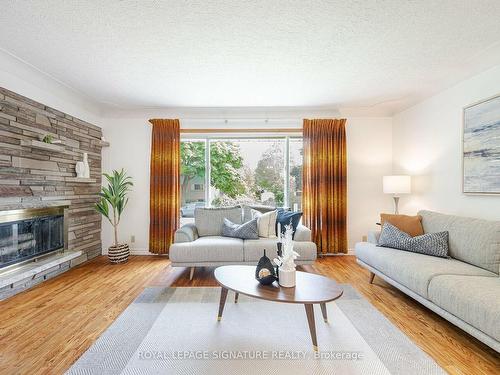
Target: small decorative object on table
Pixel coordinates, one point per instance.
(279, 245)
(286, 261)
(264, 272)
(279, 251)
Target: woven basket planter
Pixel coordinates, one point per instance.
(118, 254)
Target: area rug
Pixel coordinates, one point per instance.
(175, 331)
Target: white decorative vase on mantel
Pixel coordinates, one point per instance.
(86, 173)
(80, 169)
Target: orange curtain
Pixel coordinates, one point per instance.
(324, 199)
(164, 201)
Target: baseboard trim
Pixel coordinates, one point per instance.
(349, 252)
(132, 252)
(140, 252)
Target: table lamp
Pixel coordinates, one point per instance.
(397, 185)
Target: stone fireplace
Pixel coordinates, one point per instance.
(44, 207)
(28, 234)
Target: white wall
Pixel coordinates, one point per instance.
(23, 79)
(427, 145)
(369, 147)
(369, 157)
(130, 148)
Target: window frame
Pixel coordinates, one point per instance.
(207, 138)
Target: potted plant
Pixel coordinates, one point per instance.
(48, 139)
(115, 195)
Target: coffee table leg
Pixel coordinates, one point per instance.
(323, 311)
(223, 296)
(236, 297)
(312, 325)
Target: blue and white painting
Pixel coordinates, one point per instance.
(482, 147)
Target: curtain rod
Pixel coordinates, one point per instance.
(229, 118)
(259, 119)
(243, 130)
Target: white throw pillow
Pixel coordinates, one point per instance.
(266, 223)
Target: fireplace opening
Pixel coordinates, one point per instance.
(30, 233)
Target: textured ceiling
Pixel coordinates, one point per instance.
(362, 53)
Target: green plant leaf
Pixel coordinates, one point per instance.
(103, 208)
(114, 195)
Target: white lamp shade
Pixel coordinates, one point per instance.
(397, 184)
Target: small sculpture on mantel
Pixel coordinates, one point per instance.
(82, 168)
(79, 169)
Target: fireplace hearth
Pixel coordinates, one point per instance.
(28, 234)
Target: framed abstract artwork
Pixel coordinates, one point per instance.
(481, 147)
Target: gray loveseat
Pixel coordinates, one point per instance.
(464, 289)
(202, 244)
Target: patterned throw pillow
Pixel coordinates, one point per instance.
(245, 231)
(266, 223)
(434, 244)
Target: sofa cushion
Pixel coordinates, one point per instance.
(408, 224)
(285, 218)
(254, 249)
(414, 271)
(208, 249)
(247, 210)
(474, 241)
(302, 233)
(266, 223)
(209, 221)
(434, 244)
(245, 231)
(186, 233)
(474, 299)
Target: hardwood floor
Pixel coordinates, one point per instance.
(45, 329)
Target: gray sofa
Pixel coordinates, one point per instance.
(202, 244)
(464, 289)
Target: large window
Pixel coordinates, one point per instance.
(247, 171)
(295, 173)
(192, 171)
(227, 171)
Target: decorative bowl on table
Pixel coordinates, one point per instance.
(265, 272)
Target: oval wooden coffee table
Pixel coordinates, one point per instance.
(310, 289)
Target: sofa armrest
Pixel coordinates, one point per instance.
(373, 236)
(302, 234)
(186, 233)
